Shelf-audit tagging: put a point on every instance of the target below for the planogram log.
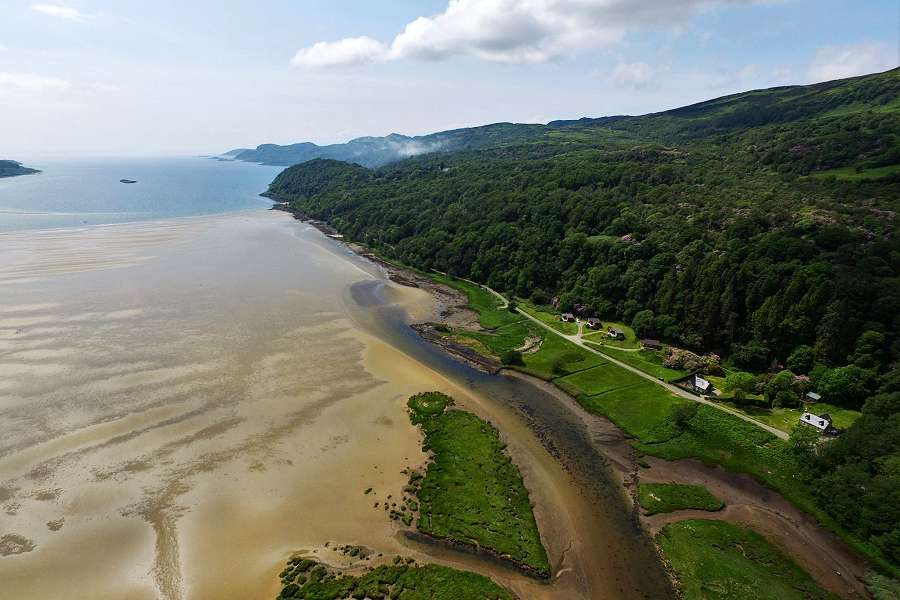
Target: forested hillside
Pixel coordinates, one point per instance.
(760, 226)
(748, 225)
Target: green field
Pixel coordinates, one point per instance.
(472, 493)
(715, 560)
(786, 419)
(548, 317)
(303, 578)
(600, 337)
(669, 497)
(558, 356)
(641, 410)
(598, 380)
(648, 361)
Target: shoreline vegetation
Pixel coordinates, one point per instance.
(661, 424)
(402, 578)
(669, 497)
(471, 493)
(714, 559)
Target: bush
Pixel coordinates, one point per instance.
(512, 357)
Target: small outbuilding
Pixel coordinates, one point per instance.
(812, 397)
(616, 334)
(567, 318)
(651, 344)
(594, 323)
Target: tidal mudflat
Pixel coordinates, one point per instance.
(187, 403)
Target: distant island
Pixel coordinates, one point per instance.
(127, 181)
(11, 168)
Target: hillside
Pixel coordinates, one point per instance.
(378, 151)
(744, 239)
(761, 226)
(11, 168)
(730, 113)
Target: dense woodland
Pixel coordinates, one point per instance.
(760, 226)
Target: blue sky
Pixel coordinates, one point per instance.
(88, 77)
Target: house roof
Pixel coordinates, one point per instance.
(813, 396)
(568, 315)
(818, 421)
(650, 342)
(701, 383)
(593, 320)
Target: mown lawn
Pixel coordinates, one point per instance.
(716, 560)
(472, 493)
(669, 497)
(786, 419)
(642, 410)
(303, 578)
(600, 337)
(648, 361)
(597, 380)
(557, 357)
(548, 316)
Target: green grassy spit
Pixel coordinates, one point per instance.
(714, 560)
(472, 493)
(669, 497)
(403, 580)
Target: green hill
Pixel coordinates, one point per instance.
(707, 215)
(761, 226)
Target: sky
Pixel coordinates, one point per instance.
(137, 78)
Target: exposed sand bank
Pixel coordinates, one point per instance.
(183, 405)
(181, 415)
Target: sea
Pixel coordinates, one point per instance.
(84, 192)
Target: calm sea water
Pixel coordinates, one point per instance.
(74, 193)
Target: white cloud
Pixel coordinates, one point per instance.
(512, 31)
(837, 62)
(59, 12)
(637, 75)
(28, 82)
(349, 51)
(782, 75)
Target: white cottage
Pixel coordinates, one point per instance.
(700, 385)
(820, 422)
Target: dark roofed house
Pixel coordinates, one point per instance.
(651, 344)
(594, 323)
(567, 317)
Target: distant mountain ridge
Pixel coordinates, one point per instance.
(374, 152)
(12, 168)
(746, 109)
